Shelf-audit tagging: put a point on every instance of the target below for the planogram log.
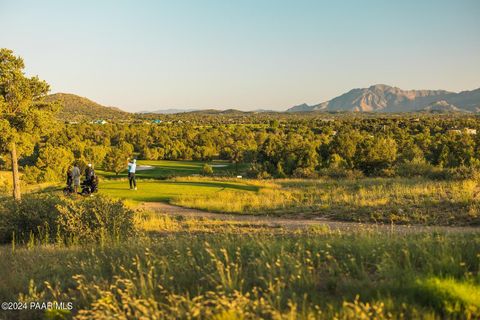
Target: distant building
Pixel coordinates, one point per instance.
(100, 121)
(156, 121)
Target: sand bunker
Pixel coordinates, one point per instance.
(144, 167)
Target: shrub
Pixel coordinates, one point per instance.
(414, 169)
(31, 174)
(34, 216)
(340, 173)
(207, 170)
(304, 173)
(386, 173)
(95, 220)
(335, 161)
(5, 184)
(256, 171)
(463, 172)
(48, 218)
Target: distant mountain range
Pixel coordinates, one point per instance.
(384, 98)
(76, 108)
(169, 111)
(377, 98)
(206, 111)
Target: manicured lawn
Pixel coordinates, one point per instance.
(165, 168)
(164, 190)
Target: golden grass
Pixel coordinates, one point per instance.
(360, 275)
(402, 200)
(151, 222)
(5, 182)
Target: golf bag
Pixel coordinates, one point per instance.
(89, 186)
(68, 190)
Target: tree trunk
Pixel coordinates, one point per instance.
(16, 178)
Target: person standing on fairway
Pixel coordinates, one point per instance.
(132, 167)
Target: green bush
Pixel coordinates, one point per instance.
(341, 173)
(48, 218)
(422, 169)
(304, 173)
(256, 171)
(31, 174)
(95, 220)
(414, 169)
(207, 170)
(463, 172)
(35, 216)
(5, 184)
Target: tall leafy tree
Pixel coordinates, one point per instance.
(116, 159)
(24, 117)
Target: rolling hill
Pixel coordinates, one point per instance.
(76, 108)
(384, 98)
(442, 106)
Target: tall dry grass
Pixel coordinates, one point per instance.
(397, 200)
(259, 276)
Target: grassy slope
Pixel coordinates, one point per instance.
(166, 168)
(388, 200)
(226, 273)
(165, 190)
(150, 188)
(397, 200)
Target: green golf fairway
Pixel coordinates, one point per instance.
(164, 190)
(166, 168)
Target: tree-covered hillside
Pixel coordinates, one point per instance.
(76, 108)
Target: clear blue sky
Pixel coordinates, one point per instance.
(243, 54)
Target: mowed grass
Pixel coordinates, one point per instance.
(166, 168)
(165, 190)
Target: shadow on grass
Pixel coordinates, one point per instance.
(224, 185)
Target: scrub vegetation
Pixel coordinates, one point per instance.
(113, 260)
(384, 200)
(190, 268)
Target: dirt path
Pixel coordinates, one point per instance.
(293, 223)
